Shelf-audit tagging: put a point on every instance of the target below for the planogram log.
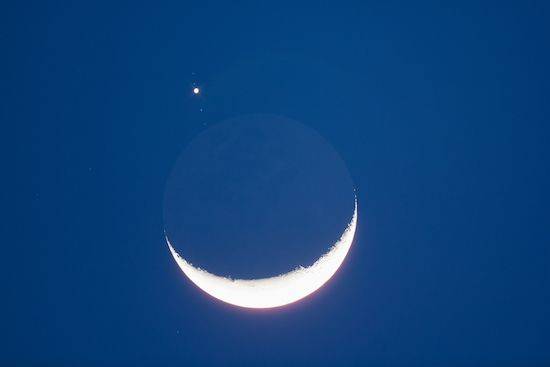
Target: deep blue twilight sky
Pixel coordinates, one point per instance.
(439, 110)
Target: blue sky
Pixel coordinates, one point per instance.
(440, 112)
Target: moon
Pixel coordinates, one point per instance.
(274, 291)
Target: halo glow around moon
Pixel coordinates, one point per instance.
(274, 291)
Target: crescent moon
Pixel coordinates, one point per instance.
(274, 291)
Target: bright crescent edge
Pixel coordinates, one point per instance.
(275, 291)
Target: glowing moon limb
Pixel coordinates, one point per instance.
(278, 290)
